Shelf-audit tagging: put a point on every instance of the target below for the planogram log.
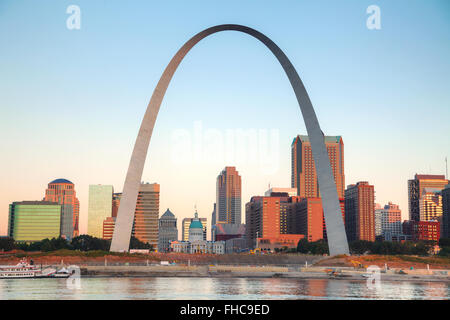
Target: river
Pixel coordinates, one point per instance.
(217, 289)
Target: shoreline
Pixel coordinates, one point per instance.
(227, 272)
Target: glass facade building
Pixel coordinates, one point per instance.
(34, 220)
(100, 208)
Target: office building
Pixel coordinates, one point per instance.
(388, 221)
(62, 191)
(108, 227)
(228, 196)
(31, 221)
(168, 231)
(99, 208)
(430, 205)
(145, 227)
(360, 212)
(422, 230)
(268, 223)
(416, 187)
(303, 170)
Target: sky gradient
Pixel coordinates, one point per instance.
(71, 101)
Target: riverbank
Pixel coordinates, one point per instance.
(301, 266)
(263, 272)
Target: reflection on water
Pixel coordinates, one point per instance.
(218, 289)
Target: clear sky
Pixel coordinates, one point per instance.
(71, 101)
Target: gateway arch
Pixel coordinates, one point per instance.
(337, 239)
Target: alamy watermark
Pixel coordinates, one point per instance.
(73, 282)
(73, 22)
(373, 22)
(199, 145)
(373, 278)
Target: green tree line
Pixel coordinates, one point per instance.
(81, 243)
(421, 248)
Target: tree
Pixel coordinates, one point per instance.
(7, 244)
(135, 243)
(87, 243)
(360, 246)
(303, 246)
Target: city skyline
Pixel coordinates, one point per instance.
(99, 150)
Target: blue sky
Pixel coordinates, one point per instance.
(71, 101)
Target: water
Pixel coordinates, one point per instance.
(217, 289)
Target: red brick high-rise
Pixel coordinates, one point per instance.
(62, 191)
(303, 169)
(304, 179)
(360, 212)
(270, 222)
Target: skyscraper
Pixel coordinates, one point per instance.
(99, 208)
(146, 216)
(228, 196)
(303, 170)
(430, 205)
(167, 231)
(34, 220)
(62, 191)
(416, 187)
(360, 212)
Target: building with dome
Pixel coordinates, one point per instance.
(196, 242)
(62, 191)
(167, 231)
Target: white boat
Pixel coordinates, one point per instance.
(28, 270)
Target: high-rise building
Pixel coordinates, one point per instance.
(99, 208)
(269, 222)
(167, 231)
(388, 221)
(378, 221)
(115, 203)
(430, 205)
(309, 213)
(185, 228)
(308, 218)
(446, 212)
(145, 227)
(108, 227)
(360, 212)
(415, 191)
(34, 220)
(303, 170)
(228, 196)
(62, 191)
